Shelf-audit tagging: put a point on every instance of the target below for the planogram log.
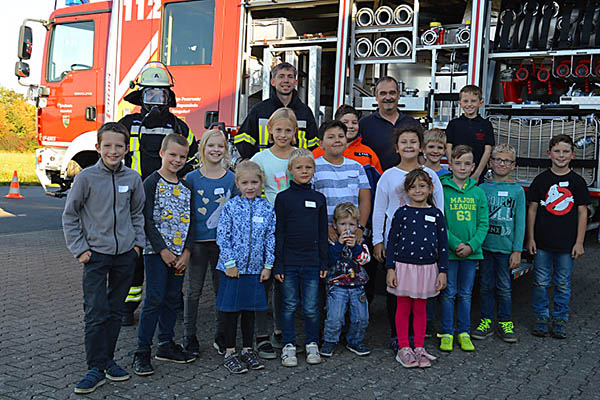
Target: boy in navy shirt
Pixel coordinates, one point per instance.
(300, 255)
(472, 130)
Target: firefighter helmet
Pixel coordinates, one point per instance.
(154, 74)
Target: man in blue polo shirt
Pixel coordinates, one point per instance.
(376, 129)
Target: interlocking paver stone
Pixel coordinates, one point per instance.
(42, 354)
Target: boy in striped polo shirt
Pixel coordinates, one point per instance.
(339, 178)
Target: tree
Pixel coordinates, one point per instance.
(17, 122)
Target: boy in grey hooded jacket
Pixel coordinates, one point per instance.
(103, 226)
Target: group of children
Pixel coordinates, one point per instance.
(307, 242)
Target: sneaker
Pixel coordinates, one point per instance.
(276, 340)
(540, 328)
(407, 358)
(250, 358)
(464, 341)
(115, 373)
(288, 356)
(265, 350)
(446, 341)
(327, 349)
(234, 365)
(170, 351)
(423, 357)
(559, 329)
(127, 319)
(506, 331)
(90, 381)
(219, 348)
(141, 363)
(312, 353)
(484, 329)
(360, 349)
(394, 344)
(191, 345)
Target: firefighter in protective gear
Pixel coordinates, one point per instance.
(253, 136)
(147, 129)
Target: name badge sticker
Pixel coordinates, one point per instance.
(259, 220)
(219, 190)
(310, 204)
(429, 218)
(280, 174)
(563, 184)
(502, 194)
(123, 189)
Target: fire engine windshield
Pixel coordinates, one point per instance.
(188, 33)
(71, 49)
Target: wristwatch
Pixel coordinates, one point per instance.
(362, 228)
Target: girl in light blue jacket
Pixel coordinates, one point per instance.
(246, 238)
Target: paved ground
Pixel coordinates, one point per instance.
(42, 357)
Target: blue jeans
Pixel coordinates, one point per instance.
(550, 267)
(461, 276)
(106, 280)
(163, 297)
(338, 299)
(495, 274)
(296, 279)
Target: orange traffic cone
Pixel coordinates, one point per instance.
(14, 192)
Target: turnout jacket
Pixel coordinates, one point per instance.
(145, 141)
(253, 136)
(103, 211)
(246, 235)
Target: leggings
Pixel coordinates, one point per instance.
(230, 319)
(419, 311)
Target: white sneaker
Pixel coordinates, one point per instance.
(312, 354)
(288, 356)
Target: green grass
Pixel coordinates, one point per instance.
(23, 163)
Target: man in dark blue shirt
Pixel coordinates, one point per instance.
(376, 129)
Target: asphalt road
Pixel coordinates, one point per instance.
(36, 212)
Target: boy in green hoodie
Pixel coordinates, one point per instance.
(503, 244)
(466, 213)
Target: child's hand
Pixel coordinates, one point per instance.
(441, 281)
(332, 234)
(322, 274)
(463, 250)
(577, 250)
(515, 260)
(168, 257)
(279, 277)
(347, 239)
(531, 247)
(181, 262)
(379, 252)
(265, 274)
(390, 279)
(233, 272)
(84, 257)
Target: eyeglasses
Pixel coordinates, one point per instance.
(502, 161)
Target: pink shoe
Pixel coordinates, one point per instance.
(407, 358)
(423, 357)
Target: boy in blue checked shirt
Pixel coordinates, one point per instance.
(502, 246)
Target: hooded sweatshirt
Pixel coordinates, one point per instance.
(466, 212)
(506, 201)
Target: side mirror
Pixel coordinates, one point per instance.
(25, 42)
(22, 69)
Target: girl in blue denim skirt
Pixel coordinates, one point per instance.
(246, 238)
(416, 262)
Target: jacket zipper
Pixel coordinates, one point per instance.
(115, 214)
(250, 243)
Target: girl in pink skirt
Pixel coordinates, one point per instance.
(416, 262)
